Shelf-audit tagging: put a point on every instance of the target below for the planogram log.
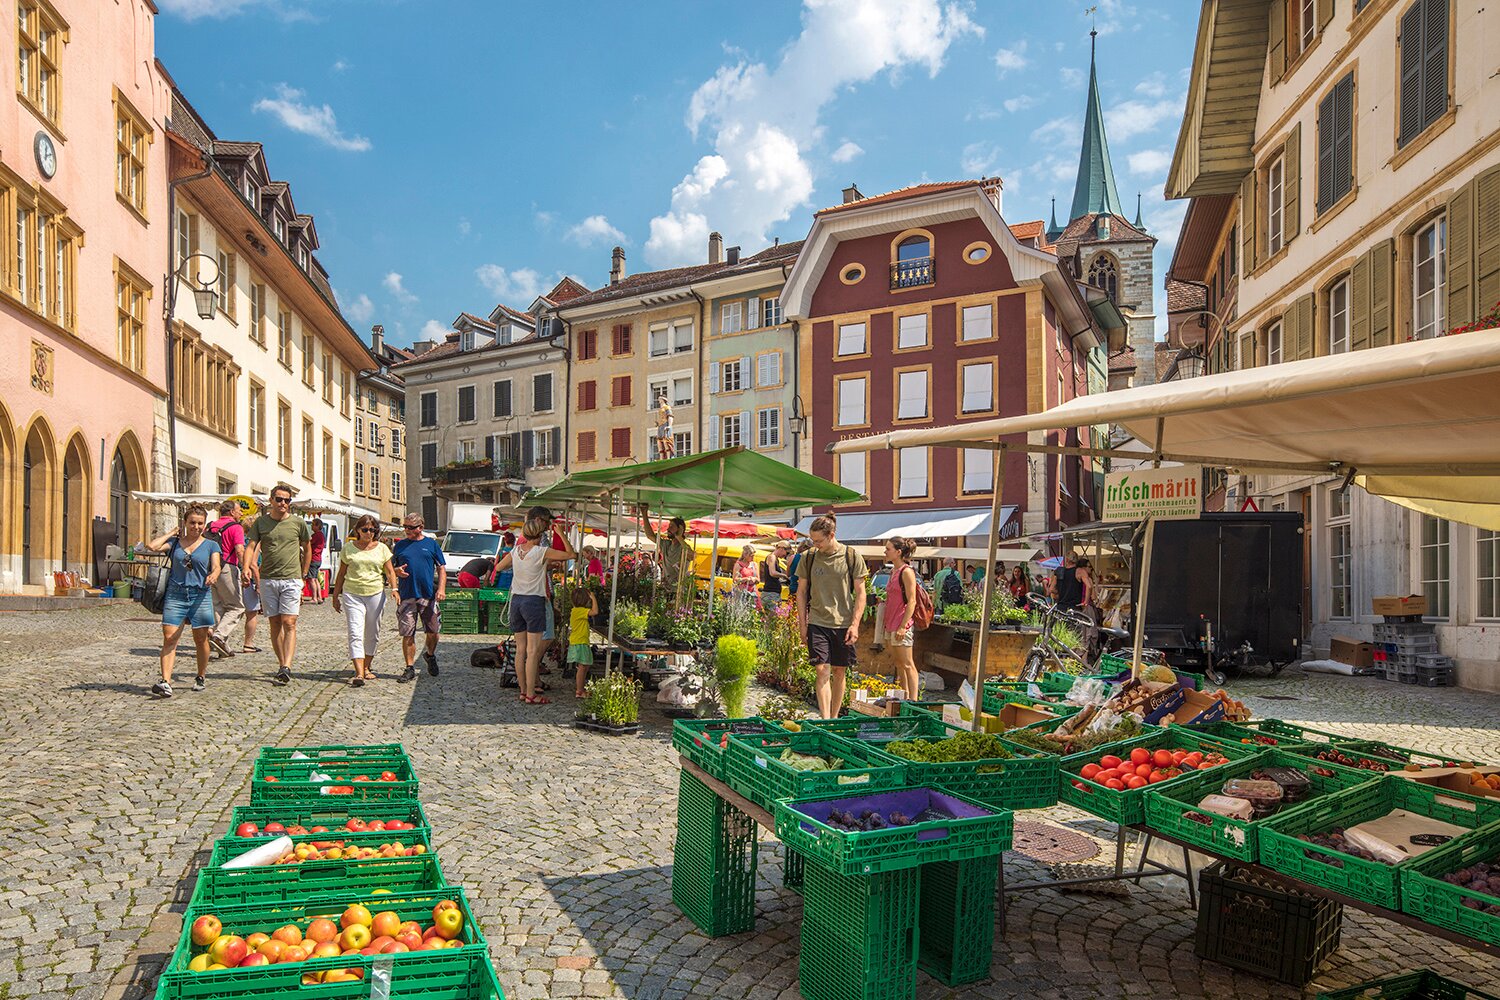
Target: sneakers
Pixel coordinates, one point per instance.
(162, 689)
(198, 684)
(409, 674)
(219, 645)
(432, 668)
(283, 676)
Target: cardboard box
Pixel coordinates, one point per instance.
(1196, 708)
(1352, 651)
(1454, 779)
(1413, 604)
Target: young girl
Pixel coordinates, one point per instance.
(900, 605)
(579, 650)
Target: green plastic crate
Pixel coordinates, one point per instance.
(229, 847)
(270, 884)
(1128, 807)
(293, 781)
(1425, 895)
(713, 861)
(1420, 985)
(859, 935)
(986, 831)
(1283, 732)
(331, 811)
(1011, 697)
(1371, 881)
(753, 769)
(1027, 780)
(1394, 757)
(456, 596)
(794, 867)
(1120, 747)
(1225, 836)
(338, 753)
(932, 709)
(469, 976)
(699, 739)
(956, 924)
(868, 728)
(495, 617)
(451, 965)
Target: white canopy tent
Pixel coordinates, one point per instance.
(959, 522)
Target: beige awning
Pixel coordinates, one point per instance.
(1417, 423)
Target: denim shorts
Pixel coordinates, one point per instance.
(192, 606)
(528, 613)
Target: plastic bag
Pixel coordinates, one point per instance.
(1103, 720)
(671, 693)
(1088, 691)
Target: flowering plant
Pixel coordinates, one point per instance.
(1490, 321)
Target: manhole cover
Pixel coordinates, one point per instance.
(1070, 871)
(1048, 844)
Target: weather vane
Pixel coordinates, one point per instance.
(1092, 14)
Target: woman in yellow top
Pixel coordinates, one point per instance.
(579, 650)
(365, 572)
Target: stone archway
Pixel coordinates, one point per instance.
(77, 497)
(41, 550)
(127, 473)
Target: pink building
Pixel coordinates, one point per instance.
(84, 232)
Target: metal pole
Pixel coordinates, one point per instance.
(713, 558)
(614, 590)
(1149, 530)
(976, 671)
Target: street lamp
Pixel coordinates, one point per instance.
(1190, 363)
(203, 289)
(797, 423)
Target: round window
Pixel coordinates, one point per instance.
(852, 274)
(977, 253)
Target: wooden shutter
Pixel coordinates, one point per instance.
(1325, 13)
(1486, 242)
(556, 434)
(1343, 139)
(1247, 351)
(1409, 81)
(1327, 130)
(1291, 185)
(1359, 304)
(746, 430)
(1304, 310)
(1382, 268)
(489, 447)
(1289, 333)
(1458, 283)
(585, 446)
(1248, 223)
(1276, 59)
(528, 451)
(713, 377)
(752, 313)
(1434, 59)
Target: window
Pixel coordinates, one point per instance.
(621, 390)
(327, 461)
(621, 344)
(227, 285)
(501, 403)
(682, 336)
(466, 407)
(257, 417)
(851, 393)
(912, 473)
(914, 248)
(1275, 193)
(768, 369)
(466, 340)
(284, 338)
(359, 435)
(978, 471)
(252, 195)
(541, 393)
(343, 469)
(768, 428)
(913, 266)
(727, 376)
(911, 332)
(395, 442)
(359, 478)
(979, 322)
(130, 318)
(1105, 274)
(588, 345)
(39, 36)
(1336, 144)
(659, 341)
(1423, 79)
(1434, 565)
(187, 238)
(284, 433)
(279, 225)
(588, 395)
(771, 314)
(682, 443)
(851, 339)
(1338, 318)
(327, 377)
(428, 463)
(544, 446)
(1429, 251)
(206, 383)
(851, 471)
(131, 136)
(1275, 344)
(1488, 562)
(427, 410)
(619, 442)
(731, 317)
(587, 446)
(1340, 556)
(395, 486)
(979, 387)
(258, 312)
(730, 427)
(1301, 27)
(375, 482)
(911, 395)
(344, 386)
(375, 443)
(309, 455)
(682, 390)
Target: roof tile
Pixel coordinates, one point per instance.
(900, 194)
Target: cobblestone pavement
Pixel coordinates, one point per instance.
(563, 839)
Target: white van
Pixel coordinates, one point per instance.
(469, 537)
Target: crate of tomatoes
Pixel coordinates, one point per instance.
(1113, 786)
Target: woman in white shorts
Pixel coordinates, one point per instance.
(900, 605)
(365, 572)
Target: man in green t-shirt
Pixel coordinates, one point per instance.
(278, 550)
(830, 602)
(676, 557)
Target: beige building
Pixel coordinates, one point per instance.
(1343, 162)
(380, 434)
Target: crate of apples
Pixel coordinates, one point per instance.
(354, 824)
(1145, 767)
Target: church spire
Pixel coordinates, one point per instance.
(1095, 190)
(1053, 229)
(1138, 223)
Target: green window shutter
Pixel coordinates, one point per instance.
(1325, 13)
(1303, 307)
(1291, 192)
(1247, 351)
(1276, 59)
(1359, 304)
(1381, 257)
(1459, 281)
(1289, 333)
(1486, 243)
(1409, 76)
(1248, 223)
(1434, 60)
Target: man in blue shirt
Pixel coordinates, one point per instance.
(423, 583)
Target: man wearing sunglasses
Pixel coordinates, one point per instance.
(422, 583)
(278, 549)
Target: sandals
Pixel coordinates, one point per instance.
(249, 649)
(538, 699)
(357, 682)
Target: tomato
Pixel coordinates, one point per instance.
(1140, 755)
(1136, 782)
(1116, 784)
(1143, 771)
(1088, 772)
(1157, 777)
(1106, 775)
(391, 775)
(1109, 761)
(1193, 759)
(1162, 758)
(1079, 785)
(1179, 756)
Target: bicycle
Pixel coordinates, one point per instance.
(1048, 646)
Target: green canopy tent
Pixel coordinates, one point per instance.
(688, 487)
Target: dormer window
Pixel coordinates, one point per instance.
(914, 248)
(466, 340)
(912, 264)
(279, 225)
(503, 334)
(1102, 225)
(302, 257)
(252, 191)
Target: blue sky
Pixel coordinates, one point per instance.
(457, 153)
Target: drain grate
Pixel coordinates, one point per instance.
(1070, 871)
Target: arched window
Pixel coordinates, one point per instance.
(914, 248)
(1103, 273)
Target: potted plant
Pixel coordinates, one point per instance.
(734, 659)
(612, 705)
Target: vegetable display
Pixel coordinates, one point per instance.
(1072, 736)
(870, 819)
(1147, 767)
(809, 762)
(963, 746)
(1360, 763)
(1483, 877)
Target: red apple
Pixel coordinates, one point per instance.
(448, 919)
(376, 826)
(288, 934)
(229, 950)
(293, 953)
(328, 949)
(272, 949)
(393, 948)
(411, 939)
(434, 943)
(356, 914)
(322, 929)
(254, 958)
(274, 827)
(385, 924)
(380, 942)
(206, 930)
(356, 825)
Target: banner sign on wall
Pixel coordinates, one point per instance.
(1168, 494)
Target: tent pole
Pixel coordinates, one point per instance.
(981, 651)
(713, 558)
(614, 590)
(1149, 530)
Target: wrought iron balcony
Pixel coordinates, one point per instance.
(913, 273)
(465, 472)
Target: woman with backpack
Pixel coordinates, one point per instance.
(903, 599)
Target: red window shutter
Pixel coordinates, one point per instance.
(626, 385)
(586, 447)
(620, 442)
(588, 345)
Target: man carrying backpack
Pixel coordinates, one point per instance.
(229, 601)
(947, 585)
(831, 602)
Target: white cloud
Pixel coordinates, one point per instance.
(847, 152)
(762, 120)
(1022, 103)
(1071, 76)
(1064, 131)
(1113, 15)
(360, 309)
(545, 220)
(1154, 85)
(309, 119)
(595, 230)
(1128, 119)
(516, 287)
(1011, 59)
(191, 10)
(1150, 161)
(433, 330)
(339, 65)
(979, 158)
(393, 284)
(463, 226)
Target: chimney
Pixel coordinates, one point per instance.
(423, 346)
(377, 340)
(617, 266)
(715, 248)
(851, 194)
(734, 255)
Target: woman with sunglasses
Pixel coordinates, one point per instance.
(365, 571)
